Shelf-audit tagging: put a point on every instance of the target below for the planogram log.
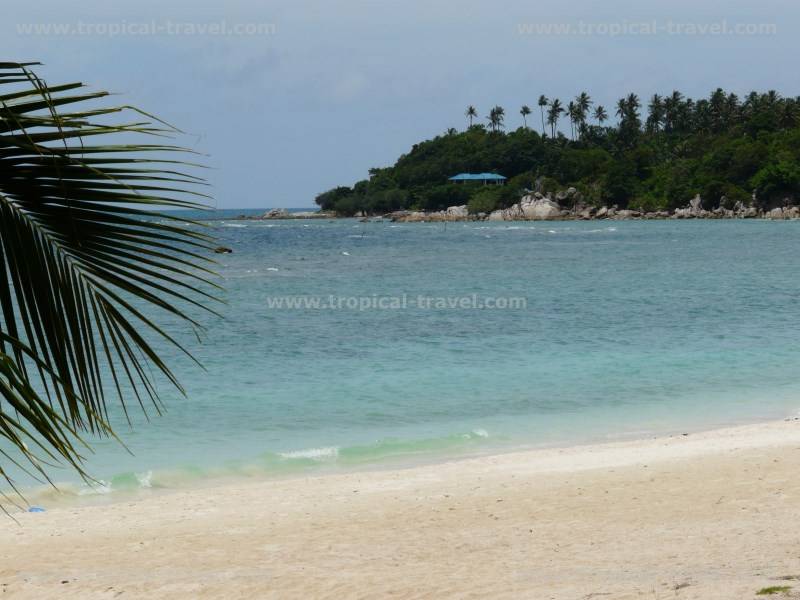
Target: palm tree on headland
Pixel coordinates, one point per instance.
(655, 116)
(525, 111)
(496, 118)
(622, 110)
(543, 101)
(584, 103)
(600, 114)
(553, 114)
(471, 113)
(572, 113)
(85, 261)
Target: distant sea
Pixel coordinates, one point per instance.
(627, 329)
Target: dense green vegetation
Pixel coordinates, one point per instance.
(656, 157)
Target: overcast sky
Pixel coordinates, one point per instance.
(314, 93)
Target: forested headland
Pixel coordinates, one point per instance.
(648, 156)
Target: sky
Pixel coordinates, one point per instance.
(289, 98)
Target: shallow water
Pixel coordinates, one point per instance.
(628, 328)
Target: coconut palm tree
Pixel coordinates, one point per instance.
(622, 109)
(87, 265)
(525, 111)
(633, 106)
(543, 101)
(496, 117)
(574, 116)
(471, 113)
(674, 107)
(553, 113)
(600, 114)
(655, 113)
(584, 103)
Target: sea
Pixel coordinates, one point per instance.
(346, 345)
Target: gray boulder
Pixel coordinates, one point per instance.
(276, 213)
(457, 212)
(538, 209)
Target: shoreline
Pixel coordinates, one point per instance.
(720, 505)
(538, 207)
(169, 480)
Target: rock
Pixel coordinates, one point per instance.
(627, 214)
(751, 212)
(276, 213)
(416, 216)
(407, 216)
(513, 213)
(601, 213)
(314, 214)
(693, 211)
(457, 212)
(683, 213)
(496, 215)
(537, 209)
(775, 213)
(793, 212)
(222, 250)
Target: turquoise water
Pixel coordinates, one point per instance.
(628, 329)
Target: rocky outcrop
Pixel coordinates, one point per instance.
(457, 212)
(282, 213)
(276, 213)
(540, 209)
(789, 212)
(627, 214)
(566, 204)
(693, 211)
(451, 213)
(309, 214)
(533, 207)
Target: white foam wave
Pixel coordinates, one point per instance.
(100, 487)
(315, 453)
(145, 479)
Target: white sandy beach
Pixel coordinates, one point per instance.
(704, 516)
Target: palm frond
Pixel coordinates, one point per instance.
(85, 256)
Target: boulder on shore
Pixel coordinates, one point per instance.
(276, 213)
(538, 209)
(457, 212)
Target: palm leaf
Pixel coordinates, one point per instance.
(85, 259)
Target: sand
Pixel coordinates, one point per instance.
(704, 516)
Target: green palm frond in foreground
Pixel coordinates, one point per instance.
(83, 259)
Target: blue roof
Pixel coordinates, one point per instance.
(477, 177)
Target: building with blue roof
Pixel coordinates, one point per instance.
(485, 178)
